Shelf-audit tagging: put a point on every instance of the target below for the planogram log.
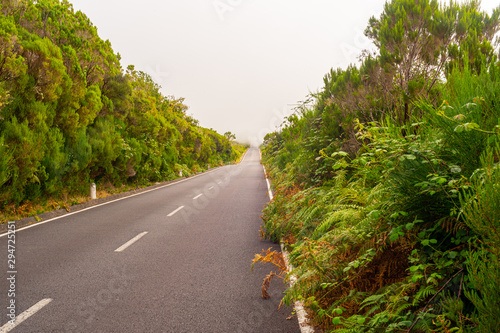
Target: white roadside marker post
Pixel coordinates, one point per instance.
(93, 191)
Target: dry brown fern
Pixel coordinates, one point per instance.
(275, 258)
(452, 225)
(265, 284)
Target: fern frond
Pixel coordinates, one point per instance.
(265, 284)
(452, 225)
(273, 257)
(424, 293)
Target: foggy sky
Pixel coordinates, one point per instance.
(239, 64)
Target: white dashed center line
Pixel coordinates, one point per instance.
(175, 211)
(130, 242)
(25, 315)
(196, 197)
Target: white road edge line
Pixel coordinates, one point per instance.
(25, 315)
(299, 306)
(269, 192)
(175, 211)
(130, 242)
(196, 197)
(106, 203)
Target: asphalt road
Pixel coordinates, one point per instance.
(144, 264)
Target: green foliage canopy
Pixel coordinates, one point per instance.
(70, 114)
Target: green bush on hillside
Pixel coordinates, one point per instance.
(386, 191)
(70, 114)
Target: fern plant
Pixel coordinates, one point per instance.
(481, 209)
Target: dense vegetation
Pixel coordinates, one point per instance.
(69, 113)
(387, 189)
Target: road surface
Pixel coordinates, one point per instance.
(175, 259)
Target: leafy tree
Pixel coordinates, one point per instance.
(230, 136)
(69, 113)
(415, 40)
